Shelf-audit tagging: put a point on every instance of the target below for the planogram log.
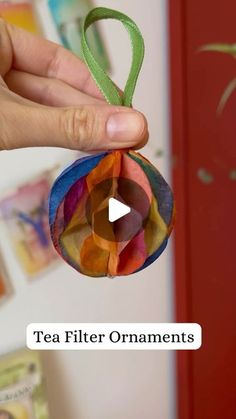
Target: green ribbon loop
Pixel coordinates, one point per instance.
(103, 81)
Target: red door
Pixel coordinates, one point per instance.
(204, 173)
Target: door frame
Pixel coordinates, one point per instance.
(179, 118)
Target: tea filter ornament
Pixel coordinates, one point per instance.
(78, 209)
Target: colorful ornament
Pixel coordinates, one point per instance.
(79, 202)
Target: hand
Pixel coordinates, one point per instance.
(48, 98)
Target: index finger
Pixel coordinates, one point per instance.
(35, 55)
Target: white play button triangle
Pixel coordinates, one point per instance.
(117, 210)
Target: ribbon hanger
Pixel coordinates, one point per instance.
(103, 81)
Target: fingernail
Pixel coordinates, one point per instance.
(125, 126)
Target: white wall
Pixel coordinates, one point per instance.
(103, 385)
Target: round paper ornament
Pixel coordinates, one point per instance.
(82, 230)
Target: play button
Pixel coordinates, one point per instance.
(117, 210)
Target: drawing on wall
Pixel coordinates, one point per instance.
(5, 288)
(19, 13)
(25, 213)
(68, 16)
(22, 388)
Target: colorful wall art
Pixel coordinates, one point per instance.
(25, 213)
(19, 13)
(22, 390)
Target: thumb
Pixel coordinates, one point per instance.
(86, 127)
